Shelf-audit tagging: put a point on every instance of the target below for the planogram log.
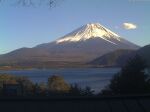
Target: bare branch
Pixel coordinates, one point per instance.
(28, 3)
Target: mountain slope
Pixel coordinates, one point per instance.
(120, 57)
(93, 39)
(80, 46)
(145, 53)
(116, 58)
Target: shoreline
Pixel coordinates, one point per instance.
(46, 68)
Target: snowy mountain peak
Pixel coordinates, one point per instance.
(90, 31)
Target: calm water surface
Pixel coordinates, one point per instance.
(96, 78)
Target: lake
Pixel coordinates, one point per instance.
(96, 78)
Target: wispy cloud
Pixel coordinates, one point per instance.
(129, 26)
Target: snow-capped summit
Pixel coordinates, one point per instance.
(78, 47)
(89, 31)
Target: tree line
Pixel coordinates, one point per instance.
(56, 86)
(132, 79)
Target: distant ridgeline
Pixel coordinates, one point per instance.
(117, 58)
(120, 57)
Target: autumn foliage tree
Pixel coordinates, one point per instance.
(58, 85)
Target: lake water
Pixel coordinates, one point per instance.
(96, 78)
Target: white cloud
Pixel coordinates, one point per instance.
(129, 26)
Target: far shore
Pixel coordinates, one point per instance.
(32, 68)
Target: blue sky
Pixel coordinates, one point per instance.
(30, 26)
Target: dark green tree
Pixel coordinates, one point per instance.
(88, 91)
(76, 90)
(40, 89)
(130, 80)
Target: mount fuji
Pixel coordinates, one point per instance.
(80, 46)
